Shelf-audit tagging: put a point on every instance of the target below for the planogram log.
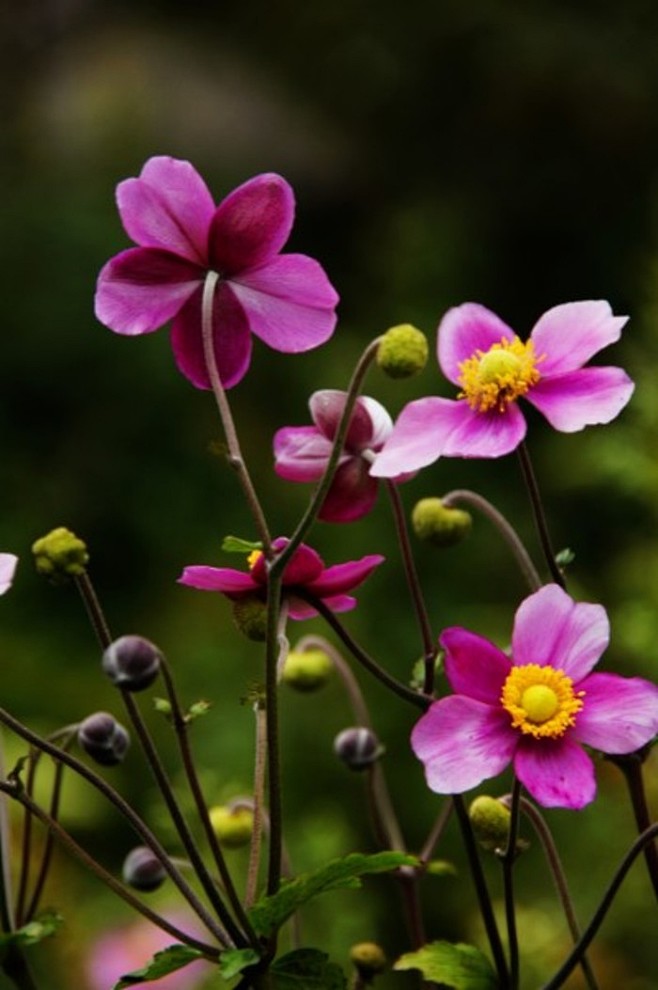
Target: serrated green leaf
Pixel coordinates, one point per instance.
(233, 961)
(460, 966)
(167, 961)
(269, 913)
(307, 969)
(235, 544)
(33, 932)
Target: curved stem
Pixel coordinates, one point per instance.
(540, 517)
(631, 767)
(352, 687)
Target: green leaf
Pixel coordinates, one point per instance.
(235, 544)
(31, 933)
(460, 966)
(233, 961)
(307, 969)
(168, 961)
(269, 913)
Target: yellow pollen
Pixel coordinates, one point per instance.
(253, 558)
(494, 378)
(541, 700)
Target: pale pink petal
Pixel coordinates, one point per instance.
(343, 577)
(251, 224)
(582, 398)
(567, 336)
(225, 579)
(352, 494)
(462, 742)
(474, 666)
(463, 331)
(232, 340)
(550, 629)
(557, 773)
(620, 714)
(8, 562)
(300, 453)
(381, 423)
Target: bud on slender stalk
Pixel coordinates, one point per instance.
(368, 959)
(132, 663)
(233, 826)
(439, 524)
(60, 555)
(103, 738)
(490, 819)
(143, 870)
(307, 670)
(402, 351)
(358, 747)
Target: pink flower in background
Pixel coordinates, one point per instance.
(285, 299)
(536, 708)
(493, 369)
(304, 571)
(8, 562)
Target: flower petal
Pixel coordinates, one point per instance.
(300, 453)
(232, 340)
(474, 666)
(251, 224)
(462, 742)
(8, 562)
(352, 494)
(582, 398)
(225, 579)
(298, 609)
(381, 423)
(556, 772)
(620, 714)
(304, 566)
(327, 407)
(463, 331)
(550, 629)
(343, 577)
(567, 336)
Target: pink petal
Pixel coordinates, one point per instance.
(557, 773)
(582, 398)
(567, 336)
(463, 331)
(298, 609)
(474, 666)
(232, 341)
(168, 207)
(300, 453)
(381, 423)
(343, 577)
(620, 714)
(8, 562)
(462, 742)
(304, 566)
(550, 629)
(225, 579)
(327, 408)
(141, 289)
(252, 224)
(352, 494)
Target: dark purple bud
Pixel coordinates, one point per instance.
(142, 869)
(132, 663)
(103, 738)
(358, 747)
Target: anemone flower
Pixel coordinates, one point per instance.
(305, 571)
(536, 708)
(494, 369)
(285, 299)
(8, 562)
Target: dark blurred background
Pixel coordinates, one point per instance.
(500, 152)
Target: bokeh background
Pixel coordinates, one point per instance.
(444, 151)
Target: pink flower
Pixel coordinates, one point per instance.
(301, 453)
(305, 571)
(285, 299)
(535, 709)
(494, 368)
(8, 562)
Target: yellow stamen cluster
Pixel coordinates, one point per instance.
(494, 378)
(253, 558)
(541, 700)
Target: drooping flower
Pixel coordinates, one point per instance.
(301, 453)
(305, 571)
(285, 299)
(536, 708)
(493, 369)
(8, 562)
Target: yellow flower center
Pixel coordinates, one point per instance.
(494, 378)
(253, 558)
(541, 700)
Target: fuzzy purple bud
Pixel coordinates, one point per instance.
(132, 663)
(143, 870)
(103, 738)
(358, 747)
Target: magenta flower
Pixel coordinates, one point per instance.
(301, 453)
(493, 369)
(536, 708)
(285, 299)
(8, 562)
(305, 571)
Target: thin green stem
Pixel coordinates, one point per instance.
(540, 517)
(260, 765)
(631, 767)
(508, 860)
(437, 830)
(274, 588)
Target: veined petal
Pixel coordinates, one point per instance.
(8, 562)
(463, 331)
(582, 398)
(251, 224)
(620, 714)
(225, 579)
(232, 340)
(567, 336)
(474, 666)
(343, 577)
(462, 742)
(352, 494)
(300, 453)
(550, 629)
(556, 772)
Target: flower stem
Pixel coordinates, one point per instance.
(631, 767)
(274, 586)
(350, 683)
(508, 860)
(260, 765)
(540, 517)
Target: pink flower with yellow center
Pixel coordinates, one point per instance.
(493, 369)
(536, 708)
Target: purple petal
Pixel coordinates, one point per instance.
(304, 566)
(463, 331)
(343, 577)
(475, 667)
(462, 742)
(225, 579)
(8, 562)
(582, 398)
(168, 207)
(567, 336)
(352, 494)
(300, 453)
(141, 289)
(556, 772)
(620, 714)
(232, 340)
(550, 629)
(251, 224)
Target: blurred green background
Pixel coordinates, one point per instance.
(500, 152)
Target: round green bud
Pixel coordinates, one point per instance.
(490, 819)
(402, 351)
(307, 670)
(250, 616)
(233, 826)
(439, 524)
(60, 555)
(368, 959)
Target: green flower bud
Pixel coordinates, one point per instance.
(60, 555)
(439, 524)
(368, 959)
(250, 616)
(307, 670)
(490, 820)
(233, 826)
(402, 351)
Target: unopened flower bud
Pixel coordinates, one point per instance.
(60, 555)
(233, 826)
(490, 819)
(358, 747)
(250, 616)
(439, 524)
(402, 351)
(132, 663)
(307, 670)
(368, 959)
(143, 870)
(103, 738)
